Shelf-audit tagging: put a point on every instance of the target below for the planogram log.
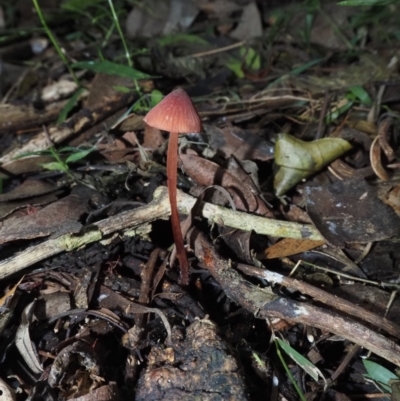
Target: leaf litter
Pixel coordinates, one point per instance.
(291, 191)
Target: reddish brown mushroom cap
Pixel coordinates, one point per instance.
(175, 113)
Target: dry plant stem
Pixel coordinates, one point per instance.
(172, 167)
(343, 365)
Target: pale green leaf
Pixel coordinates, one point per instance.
(367, 2)
(68, 149)
(79, 155)
(296, 159)
(306, 66)
(55, 166)
(179, 38)
(122, 89)
(155, 97)
(361, 94)
(235, 66)
(252, 58)
(69, 106)
(79, 5)
(336, 113)
(300, 360)
(379, 374)
(110, 68)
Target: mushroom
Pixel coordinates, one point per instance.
(176, 114)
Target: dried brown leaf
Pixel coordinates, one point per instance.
(23, 340)
(288, 247)
(350, 211)
(28, 189)
(58, 218)
(206, 173)
(152, 138)
(234, 141)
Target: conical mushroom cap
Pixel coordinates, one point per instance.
(175, 113)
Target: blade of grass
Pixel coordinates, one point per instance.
(367, 2)
(297, 71)
(79, 154)
(108, 67)
(69, 106)
(54, 41)
(289, 373)
(361, 94)
(300, 360)
(121, 34)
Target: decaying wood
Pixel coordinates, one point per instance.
(108, 392)
(197, 365)
(265, 304)
(159, 208)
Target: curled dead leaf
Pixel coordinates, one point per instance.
(376, 160)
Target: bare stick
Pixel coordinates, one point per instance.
(265, 304)
(159, 208)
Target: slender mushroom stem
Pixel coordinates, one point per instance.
(172, 167)
(175, 114)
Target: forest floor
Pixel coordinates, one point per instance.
(288, 196)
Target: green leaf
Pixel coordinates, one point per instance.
(68, 149)
(303, 362)
(122, 89)
(296, 71)
(55, 166)
(252, 58)
(34, 153)
(179, 38)
(148, 101)
(289, 373)
(235, 66)
(81, 154)
(155, 97)
(306, 66)
(334, 115)
(296, 159)
(367, 2)
(79, 5)
(361, 94)
(69, 106)
(110, 68)
(380, 374)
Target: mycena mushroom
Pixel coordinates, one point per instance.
(176, 114)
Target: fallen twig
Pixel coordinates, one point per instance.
(322, 296)
(157, 209)
(263, 303)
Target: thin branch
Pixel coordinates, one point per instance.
(159, 208)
